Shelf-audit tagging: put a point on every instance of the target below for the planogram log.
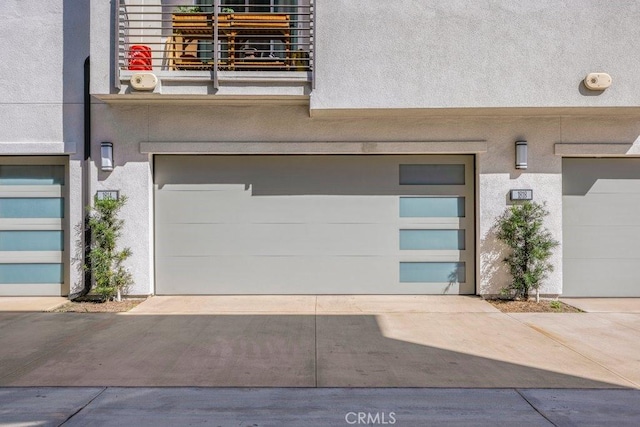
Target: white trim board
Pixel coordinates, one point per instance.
(596, 149)
(37, 148)
(315, 147)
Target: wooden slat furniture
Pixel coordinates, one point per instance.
(235, 29)
(258, 26)
(188, 30)
(192, 23)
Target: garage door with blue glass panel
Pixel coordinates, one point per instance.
(332, 224)
(32, 213)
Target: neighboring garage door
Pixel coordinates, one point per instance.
(32, 212)
(314, 224)
(601, 227)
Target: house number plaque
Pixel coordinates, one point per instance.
(521, 194)
(108, 194)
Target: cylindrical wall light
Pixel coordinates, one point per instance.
(521, 154)
(106, 156)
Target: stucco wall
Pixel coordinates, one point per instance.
(468, 53)
(444, 54)
(101, 27)
(497, 175)
(41, 82)
(41, 76)
(33, 38)
(127, 126)
(370, 55)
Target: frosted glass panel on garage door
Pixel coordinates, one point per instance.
(432, 272)
(432, 207)
(31, 175)
(432, 174)
(432, 239)
(30, 273)
(296, 224)
(31, 241)
(12, 207)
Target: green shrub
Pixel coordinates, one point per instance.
(521, 228)
(556, 305)
(188, 9)
(105, 261)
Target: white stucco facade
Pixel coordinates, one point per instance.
(418, 77)
(41, 113)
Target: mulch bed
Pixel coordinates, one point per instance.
(98, 307)
(544, 306)
(505, 306)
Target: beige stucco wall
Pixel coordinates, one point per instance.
(188, 125)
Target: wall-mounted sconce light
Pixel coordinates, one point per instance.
(106, 156)
(521, 154)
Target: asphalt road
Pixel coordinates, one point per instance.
(171, 406)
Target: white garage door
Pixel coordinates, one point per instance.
(601, 227)
(32, 212)
(314, 224)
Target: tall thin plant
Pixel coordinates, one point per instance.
(105, 261)
(521, 228)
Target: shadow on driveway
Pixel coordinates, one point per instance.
(394, 350)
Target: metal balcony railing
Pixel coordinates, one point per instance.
(220, 35)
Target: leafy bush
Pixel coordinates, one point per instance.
(188, 9)
(556, 305)
(104, 260)
(521, 228)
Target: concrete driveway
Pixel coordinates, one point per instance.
(323, 341)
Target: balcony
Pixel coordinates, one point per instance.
(219, 47)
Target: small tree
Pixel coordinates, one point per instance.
(521, 228)
(105, 261)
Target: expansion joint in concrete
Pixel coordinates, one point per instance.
(534, 407)
(89, 402)
(568, 347)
